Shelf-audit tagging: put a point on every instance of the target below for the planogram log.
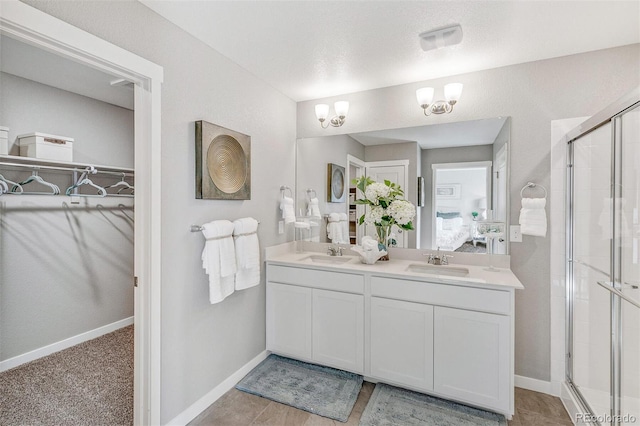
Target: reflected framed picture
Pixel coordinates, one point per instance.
(223, 163)
(336, 192)
(448, 191)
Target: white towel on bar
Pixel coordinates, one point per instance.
(245, 233)
(533, 217)
(344, 224)
(335, 229)
(288, 212)
(219, 259)
(314, 209)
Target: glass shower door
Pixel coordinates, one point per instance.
(628, 229)
(592, 239)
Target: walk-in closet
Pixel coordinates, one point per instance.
(66, 240)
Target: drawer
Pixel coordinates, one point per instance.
(455, 296)
(337, 281)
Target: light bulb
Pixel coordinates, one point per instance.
(341, 107)
(424, 96)
(452, 92)
(322, 111)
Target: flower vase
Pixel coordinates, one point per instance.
(383, 233)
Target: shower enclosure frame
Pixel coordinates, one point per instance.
(611, 114)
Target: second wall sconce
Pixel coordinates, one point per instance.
(322, 112)
(452, 92)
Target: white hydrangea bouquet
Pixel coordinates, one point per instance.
(387, 207)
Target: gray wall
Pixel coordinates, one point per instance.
(313, 155)
(64, 269)
(102, 133)
(533, 94)
(444, 155)
(401, 151)
(202, 344)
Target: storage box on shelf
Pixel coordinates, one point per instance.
(46, 147)
(4, 140)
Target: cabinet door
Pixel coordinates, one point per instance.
(402, 342)
(338, 330)
(472, 357)
(289, 320)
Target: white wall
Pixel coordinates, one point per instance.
(64, 269)
(533, 94)
(202, 344)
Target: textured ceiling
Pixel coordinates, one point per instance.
(314, 49)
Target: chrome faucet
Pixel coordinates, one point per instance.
(438, 259)
(334, 250)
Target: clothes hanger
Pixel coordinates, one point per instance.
(86, 181)
(37, 178)
(14, 186)
(3, 187)
(122, 183)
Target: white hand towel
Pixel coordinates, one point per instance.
(315, 231)
(333, 228)
(218, 259)
(247, 253)
(288, 212)
(344, 226)
(314, 209)
(533, 217)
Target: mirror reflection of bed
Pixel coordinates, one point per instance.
(460, 192)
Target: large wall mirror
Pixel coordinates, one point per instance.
(456, 173)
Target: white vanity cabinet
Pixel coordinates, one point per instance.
(451, 340)
(471, 356)
(401, 344)
(309, 320)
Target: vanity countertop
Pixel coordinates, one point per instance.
(478, 275)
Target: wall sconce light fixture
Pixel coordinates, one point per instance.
(322, 112)
(452, 92)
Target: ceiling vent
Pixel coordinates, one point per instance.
(441, 37)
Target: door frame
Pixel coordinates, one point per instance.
(34, 27)
(463, 165)
(360, 165)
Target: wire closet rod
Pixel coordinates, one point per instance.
(63, 169)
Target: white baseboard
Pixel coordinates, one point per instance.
(570, 404)
(535, 385)
(63, 344)
(214, 394)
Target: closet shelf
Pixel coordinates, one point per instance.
(34, 162)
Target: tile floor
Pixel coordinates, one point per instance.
(237, 408)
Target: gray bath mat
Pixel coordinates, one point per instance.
(319, 390)
(391, 406)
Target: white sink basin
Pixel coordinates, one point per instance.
(452, 271)
(323, 258)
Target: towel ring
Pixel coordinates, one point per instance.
(309, 191)
(283, 188)
(532, 185)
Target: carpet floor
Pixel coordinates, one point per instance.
(468, 247)
(87, 384)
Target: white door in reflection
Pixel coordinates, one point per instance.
(396, 173)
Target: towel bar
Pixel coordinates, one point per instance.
(198, 228)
